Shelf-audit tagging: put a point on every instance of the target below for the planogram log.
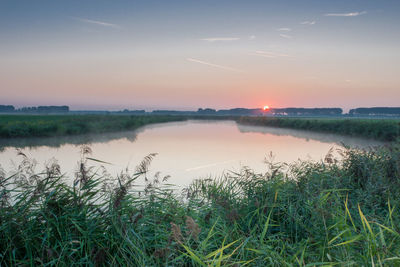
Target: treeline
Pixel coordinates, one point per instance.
(39, 109)
(375, 111)
(273, 111)
(386, 111)
(127, 111)
(7, 108)
(307, 111)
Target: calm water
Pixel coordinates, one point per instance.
(186, 150)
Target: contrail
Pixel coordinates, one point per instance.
(351, 14)
(214, 65)
(97, 22)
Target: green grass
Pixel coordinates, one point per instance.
(331, 213)
(380, 129)
(12, 126)
(43, 126)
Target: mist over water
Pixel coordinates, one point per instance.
(185, 150)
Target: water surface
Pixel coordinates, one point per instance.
(185, 150)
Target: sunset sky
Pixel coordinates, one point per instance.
(188, 54)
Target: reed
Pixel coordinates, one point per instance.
(379, 129)
(12, 126)
(331, 213)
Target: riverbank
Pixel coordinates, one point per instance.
(328, 213)
(12, 126)
(378, 129)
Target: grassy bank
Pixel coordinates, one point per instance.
(379, 129)
(48, 125)
(331, 213)
(40, 126)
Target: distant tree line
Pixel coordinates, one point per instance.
(172, 112)
(387, 111)
(307, 111)
(127, 111)
(7, 108)
(240, 111)
(39, 109)
(375, 111)
(276, 111)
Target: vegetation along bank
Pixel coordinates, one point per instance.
(329, 213)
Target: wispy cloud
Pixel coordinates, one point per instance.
(97, 22)
(252, 37)
(268, 54)
(213, 65)
(220, 39)
(284, 29)
(308, 22)
(285, 36)
(351, 14)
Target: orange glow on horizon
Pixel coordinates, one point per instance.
(266, 108)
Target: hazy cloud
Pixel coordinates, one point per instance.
(351, 14)
(220, 39)
(308, 22)
(252, 37)
(213, 65)
(269, 54)
(97, 22)
(284, 29)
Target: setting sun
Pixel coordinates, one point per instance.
(266, 108)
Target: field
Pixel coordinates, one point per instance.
(329, 213)
(379, 129)
(43, 126)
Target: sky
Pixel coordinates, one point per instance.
(182, 54)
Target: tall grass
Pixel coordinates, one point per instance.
(380, 129)
(49, 125)
(330, 213)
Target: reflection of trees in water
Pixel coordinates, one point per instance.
(132, 135)
(354, 142)
(62, 140)
(57, 141)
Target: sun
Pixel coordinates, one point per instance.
(266, 108)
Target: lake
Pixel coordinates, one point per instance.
(185, 150)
